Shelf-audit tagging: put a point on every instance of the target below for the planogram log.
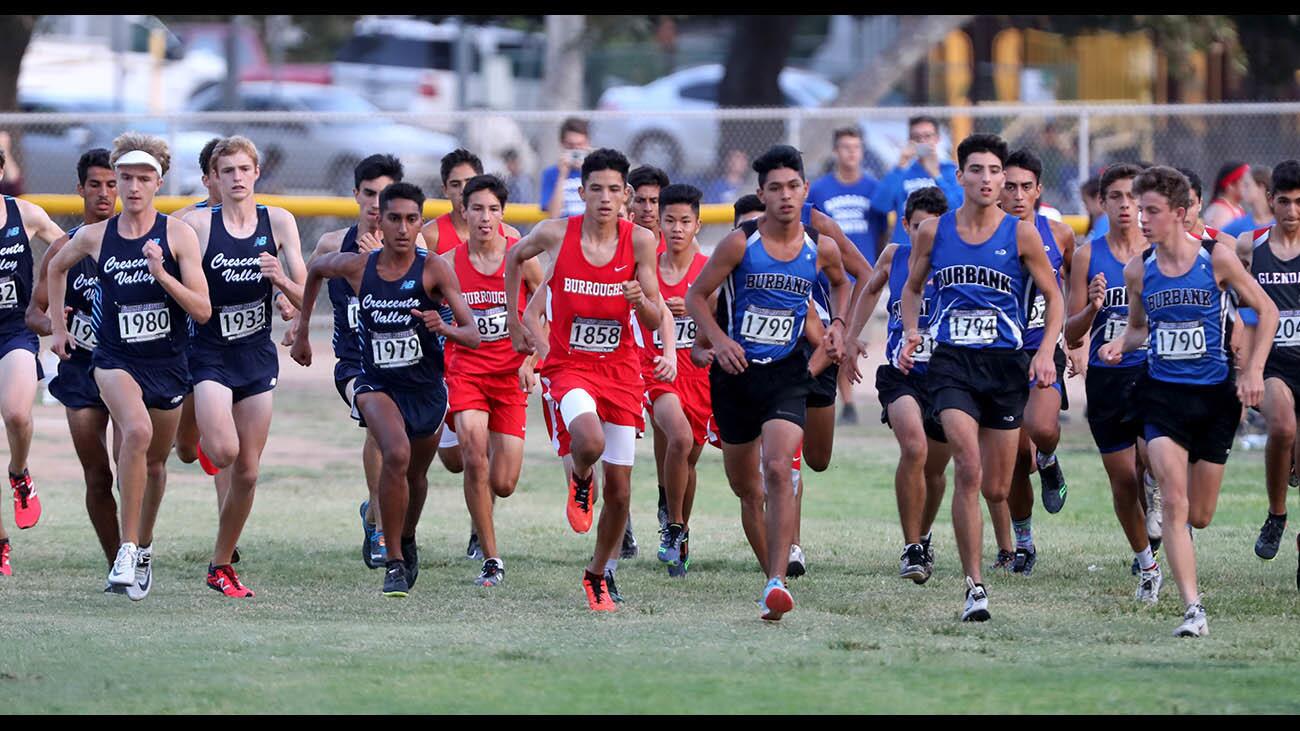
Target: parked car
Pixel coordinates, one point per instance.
(315, 155)
(686, 145)
(254, 64)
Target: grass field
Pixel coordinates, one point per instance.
(319, 638)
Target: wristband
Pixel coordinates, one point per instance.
(278, 293)
(841, 319)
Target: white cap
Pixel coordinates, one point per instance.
(139, 157)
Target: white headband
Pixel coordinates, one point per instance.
(139, 157)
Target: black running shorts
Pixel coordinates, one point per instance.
(1112, 409)
(892, 384)
(1201, 419)
(990, 384)
(743, 403)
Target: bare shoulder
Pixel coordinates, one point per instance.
(29, 210)
(280, 216)
(330, 241)
(1061, 230)
(511, 231)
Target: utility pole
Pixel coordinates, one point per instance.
(230, 90)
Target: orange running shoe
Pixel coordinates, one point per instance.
(597, 595)
(225, 580)
(5, 568)
(206, 463)
(578, 507)
(27, 507)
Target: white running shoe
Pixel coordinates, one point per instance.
(1194, 624)
(1155, 505)
(139, 589)
(797, 566)
(123, 571)
(1149, 582)
(977, 603)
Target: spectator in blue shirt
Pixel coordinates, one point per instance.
(562, 200)
(735, 180)
(844, 194)
(1098, 223)
(919, 167)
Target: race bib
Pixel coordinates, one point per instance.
(771, 327)
(925, 349)
(595, 336)
(354, 313)
(8, 293)
(144, 323)
(1037, 313)
(1180, 340)
(394, 350)
(240, 321)
(1114, 327)
(491, 324)
(1288, 329)
(685, 329)
(82, 331)
(973, 327)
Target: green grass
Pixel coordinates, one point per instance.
(319, 638)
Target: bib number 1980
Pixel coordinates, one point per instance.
(144, 323)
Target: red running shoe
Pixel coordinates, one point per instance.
(578, 507)
(597, 593)
(5, 568)
(206, 463)
(27, 507)
(225, 580)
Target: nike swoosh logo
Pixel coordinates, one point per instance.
(619, 269)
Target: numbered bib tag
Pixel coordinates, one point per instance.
(240, 321)
(973, 327)
(354, 313)
(394, 350)
(491, 323)
(1180, 340)
(685, 328)
(1288, 329)
(8, 293)
(595, 336)
(926, 349)
(1037, 313)
(82, 331)
(144, 323)
(770, 327)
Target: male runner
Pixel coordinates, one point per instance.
(233, 363)
(1195, 226)
(486, 404)
(759, 379)
(981, 258)
(1098, 304)
(604, 268)
(73, 385)
(400, 394)
(150, 279)
(1233, 186)
(1042, 424)
(209, 181)
(1190, 401)
(905, 398)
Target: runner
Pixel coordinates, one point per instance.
(1190, 401)
(979, 372)
(759, 379)
(1098, 304)
(73, 385)
(150, 278)
(1233, 186)
(400, 394)
(209, 181)
(905, 398)
(1042, 424)
(233, 363)
(488, 407)
(1195, 226)
(590, 363)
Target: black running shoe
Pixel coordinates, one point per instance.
(929, 550)
(1053, 484)
(367, 538)
(474, 551)
(1270, 537)
(629, 543)
(411, 559)
(493, 573)
(395, 582)
(611, 588)
(1024, 561)
(234, 555)
(849, 415)
(1005, 560)
(913, 565)
(670, 544)
(663, 509)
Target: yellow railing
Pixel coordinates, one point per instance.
(339, 207)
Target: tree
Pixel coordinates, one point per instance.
(17, 32)
(760, 45)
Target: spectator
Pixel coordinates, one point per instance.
(1258, 213)
(844, 194)
(561, 198)
(11, 176)
(519, 186)
(918, 167)
(1098, 223)
(735, 180)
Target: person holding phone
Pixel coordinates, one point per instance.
(560, 182)
(918, 167)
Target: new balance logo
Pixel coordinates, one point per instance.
(13, 231)
(408, 284)
(261, 241)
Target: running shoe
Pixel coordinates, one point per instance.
(123, 571)
(206, 463)
(395, 583)
(797, 566)
(849, 415)
(776, 601)
(5, 568)
(1270, 537)
(474, 551)
(912, 564)
(1005, 560)
(578, 507)
(225, 580)
(663, 509)
(411, 559)
(670, 544)
(1155, 553)
(611, 587)
(1149, 582)
(234, 555)
(680, 569)
(367, 539)
(1024, 561)
(493, 573)
(378, 548)
(139, 589)
(598, 599)
(977, 602)
(27, 506)
(1155, 505)
(1194, 624)
(1053, 483)
(629, 549)
(929, 550)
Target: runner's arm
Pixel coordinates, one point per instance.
(1081, 306)
(726, 257)
(918, 269)
(285, 228)
(191, 290)
(38, 223)
(36, 318)
(85, 242)
(348, 265)
(1135, 334)
(854, 262)
(1231, 274)
(545, 236)
(440, 280)
(1030, 245)
(650, 306)
(862, 309)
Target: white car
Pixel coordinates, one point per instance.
(682, 145)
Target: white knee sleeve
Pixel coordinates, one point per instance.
(576, 403)
(620, 444)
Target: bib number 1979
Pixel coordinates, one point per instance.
(394, 350)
